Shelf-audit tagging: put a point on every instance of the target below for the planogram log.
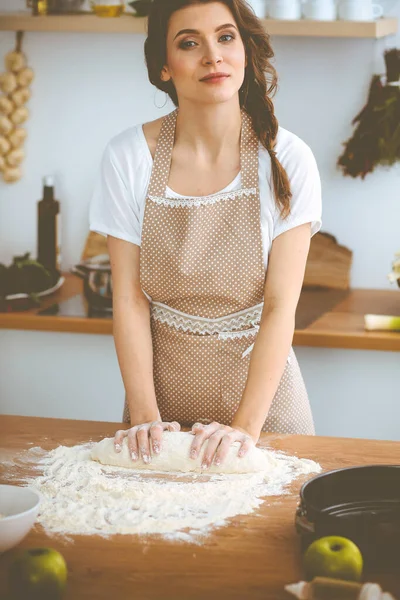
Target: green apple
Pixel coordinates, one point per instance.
(38, 573)
(333, 556)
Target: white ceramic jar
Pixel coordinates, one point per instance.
(320, 10)
(359, 10)
(284, 9)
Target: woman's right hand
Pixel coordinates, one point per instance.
(141, 436)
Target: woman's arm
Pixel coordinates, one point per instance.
(285, 274)
(132, 335)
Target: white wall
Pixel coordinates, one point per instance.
(87, 88)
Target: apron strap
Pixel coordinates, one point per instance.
(248, 153)
(162, 159)
(163, 155)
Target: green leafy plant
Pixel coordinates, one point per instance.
(25, 276)
(376, 139)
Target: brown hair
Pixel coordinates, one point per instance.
(259, 84)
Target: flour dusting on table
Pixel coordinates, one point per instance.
(81, 496)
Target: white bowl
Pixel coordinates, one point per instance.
(19, 507)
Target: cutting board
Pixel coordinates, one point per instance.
(328, 263)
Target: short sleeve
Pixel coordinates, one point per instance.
(113, 209)
(305, 205)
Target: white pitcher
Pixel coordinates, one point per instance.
(284, 9)
(259, 7)
(320, 10)
(359, 10)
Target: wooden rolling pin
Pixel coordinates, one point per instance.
(325, 588)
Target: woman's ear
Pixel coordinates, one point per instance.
(164, 75)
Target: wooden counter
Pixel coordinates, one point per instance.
(251, 558)
(325, 318)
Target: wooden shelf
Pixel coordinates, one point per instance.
(82, 23)
(89, 23)
(336, 29)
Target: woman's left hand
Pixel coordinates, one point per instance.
(220, 437)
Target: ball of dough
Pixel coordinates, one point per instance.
(15, 157)
(17, 137)
(5, 125)
(12, 174)
(20, 115)
(25, 76)
(8, 82)
(14, 61)
(2, 163)
(5, 145)
(6, 106)
(21, 96)
(174, 456)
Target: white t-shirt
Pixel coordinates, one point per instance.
(118, 201)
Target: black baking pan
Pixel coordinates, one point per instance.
(360, 503)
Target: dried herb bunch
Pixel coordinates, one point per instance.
(376, 139)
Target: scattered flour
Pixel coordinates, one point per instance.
(81, 496)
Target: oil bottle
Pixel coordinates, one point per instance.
(49, 230)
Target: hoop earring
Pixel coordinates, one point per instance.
(166, 98)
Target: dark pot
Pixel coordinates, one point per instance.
(359, 503)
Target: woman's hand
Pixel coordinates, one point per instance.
(220, 437)
(141, 436)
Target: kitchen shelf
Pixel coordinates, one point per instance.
(89, 23)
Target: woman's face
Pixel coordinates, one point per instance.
(202, 40)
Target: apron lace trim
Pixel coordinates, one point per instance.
(226, 327)
(202, 200)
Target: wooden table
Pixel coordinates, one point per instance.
(324, 318)
(251, 558)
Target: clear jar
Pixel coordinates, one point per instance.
(107, 8)
(54, 7)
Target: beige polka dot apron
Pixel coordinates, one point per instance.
(201, 267)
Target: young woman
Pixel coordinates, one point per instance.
(208, 214)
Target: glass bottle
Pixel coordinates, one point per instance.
(49, 231)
